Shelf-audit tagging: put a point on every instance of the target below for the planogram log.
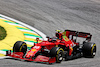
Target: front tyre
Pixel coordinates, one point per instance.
(58, 53)
(20, 46)
(89, 49)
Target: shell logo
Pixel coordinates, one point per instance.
(33, 49)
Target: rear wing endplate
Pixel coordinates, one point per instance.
(88, 36)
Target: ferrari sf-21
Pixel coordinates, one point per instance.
(64, 46)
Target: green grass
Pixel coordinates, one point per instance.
(2, 33)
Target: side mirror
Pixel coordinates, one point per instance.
(48, 37)
(37, 39)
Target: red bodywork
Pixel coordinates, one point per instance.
(62, 39)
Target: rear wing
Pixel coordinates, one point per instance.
(88, 36)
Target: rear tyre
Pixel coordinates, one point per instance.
(58, 53)
(20, 46)
(89, 49)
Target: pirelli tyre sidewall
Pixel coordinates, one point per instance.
(58, 53)
(89, 49)
(20, 46)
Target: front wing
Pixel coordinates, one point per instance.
(39, 58)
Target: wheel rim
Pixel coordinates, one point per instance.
(60, 56)
(94, 51)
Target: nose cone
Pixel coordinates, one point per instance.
(33, 51)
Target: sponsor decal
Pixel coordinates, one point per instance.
(33, 49)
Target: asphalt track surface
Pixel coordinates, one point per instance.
(49, 15)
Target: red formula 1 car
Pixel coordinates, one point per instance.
(64, 45)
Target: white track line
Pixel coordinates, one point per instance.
(33, 37)
(3, 52)
(15, 24)
(4, 57)
(28, 31)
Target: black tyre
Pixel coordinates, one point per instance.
(66, 56)
(20, 46)
(89, 49)
(58, 53)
